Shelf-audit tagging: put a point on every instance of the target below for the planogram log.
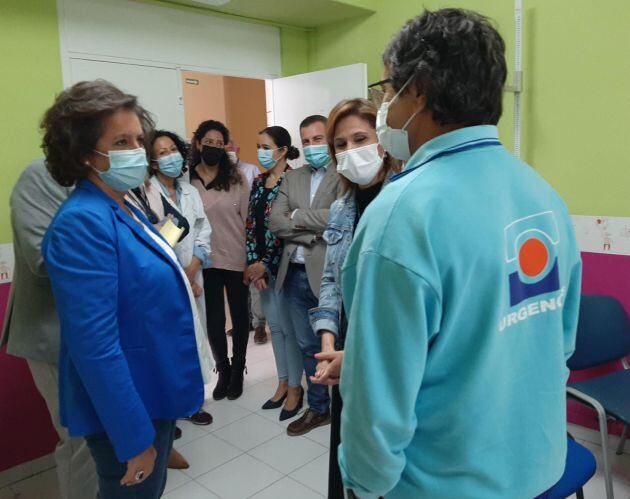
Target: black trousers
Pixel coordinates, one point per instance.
(335, 485)
(215, 282)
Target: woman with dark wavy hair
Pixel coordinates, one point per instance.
(225, 196)
(129, 364)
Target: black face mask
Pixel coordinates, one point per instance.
(212, 155)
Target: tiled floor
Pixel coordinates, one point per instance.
(246, 453)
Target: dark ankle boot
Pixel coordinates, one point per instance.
(221, 390)
(235, 390)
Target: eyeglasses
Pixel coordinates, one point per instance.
(213, 143)
(380, 85)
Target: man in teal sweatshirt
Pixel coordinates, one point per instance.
(461, 288)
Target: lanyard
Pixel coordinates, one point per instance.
(466, 146)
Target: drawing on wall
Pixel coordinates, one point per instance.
(602, 234)
(6, 263)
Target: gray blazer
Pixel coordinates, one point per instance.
(31, 326)
(307, 225)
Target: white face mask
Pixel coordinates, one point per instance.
(395, 141)
(360, 165)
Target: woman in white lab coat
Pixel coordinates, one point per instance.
(175, 208)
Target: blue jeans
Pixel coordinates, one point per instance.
(285, 347)
(298, 299)
(110, 471)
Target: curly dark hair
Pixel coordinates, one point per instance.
(457, 60)
(282, 138)
(74, 123)
(181, 145)
(228, 173)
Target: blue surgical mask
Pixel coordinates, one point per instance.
(171, 165)
(317, 156)
(127, 169)
(265, 158)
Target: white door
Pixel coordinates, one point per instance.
(291, 99)
(158, 88)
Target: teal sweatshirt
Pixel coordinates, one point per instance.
(462, 290)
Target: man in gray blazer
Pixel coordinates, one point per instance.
(299, 217)
(31, 326)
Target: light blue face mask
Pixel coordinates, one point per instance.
(171, 165)
(317, 156)
(127, 169)
(265, 158)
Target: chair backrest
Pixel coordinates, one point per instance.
(603, 333)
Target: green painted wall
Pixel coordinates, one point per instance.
(577, 80)
(295, 51)
(29, 48)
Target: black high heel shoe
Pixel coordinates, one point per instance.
(284, 414)
(274, 404)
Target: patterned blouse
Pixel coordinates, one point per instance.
(273, 245)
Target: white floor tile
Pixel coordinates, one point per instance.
(249, 432)
(262, 370)
(192, 490)
(225, 412)
(240, 478)
(320, 435)
(596, 488)
(274, 416)
(43, 485)
(287, 488)
(190, 433)
(256, 353)
(255, 396)
(175, 479)
(314, 475)
(620, 465)
(207, 453)
(287, 454)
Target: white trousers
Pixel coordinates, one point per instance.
(75, 467)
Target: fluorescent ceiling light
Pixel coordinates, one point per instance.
(214, 3)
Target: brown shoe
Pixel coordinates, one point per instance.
(177, 462)
(202, 418)
(260, 335)
(309, 421)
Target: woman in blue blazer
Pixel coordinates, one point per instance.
(129, 363)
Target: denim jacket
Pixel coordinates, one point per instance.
(338, 236)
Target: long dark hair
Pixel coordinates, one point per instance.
(182, 147)
(228, 173)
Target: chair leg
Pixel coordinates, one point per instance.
(603, 430)
(622, 441)
(579, 494)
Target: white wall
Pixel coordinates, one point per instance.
(130, 31)
(293, 98)
(142, 48)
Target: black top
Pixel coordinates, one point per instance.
(363, 198)
(260, 215)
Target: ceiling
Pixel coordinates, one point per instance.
(299, 13)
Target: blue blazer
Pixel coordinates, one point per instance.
(128, 350)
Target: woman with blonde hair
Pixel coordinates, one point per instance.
(364, 168)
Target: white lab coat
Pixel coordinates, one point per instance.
(200, 230)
